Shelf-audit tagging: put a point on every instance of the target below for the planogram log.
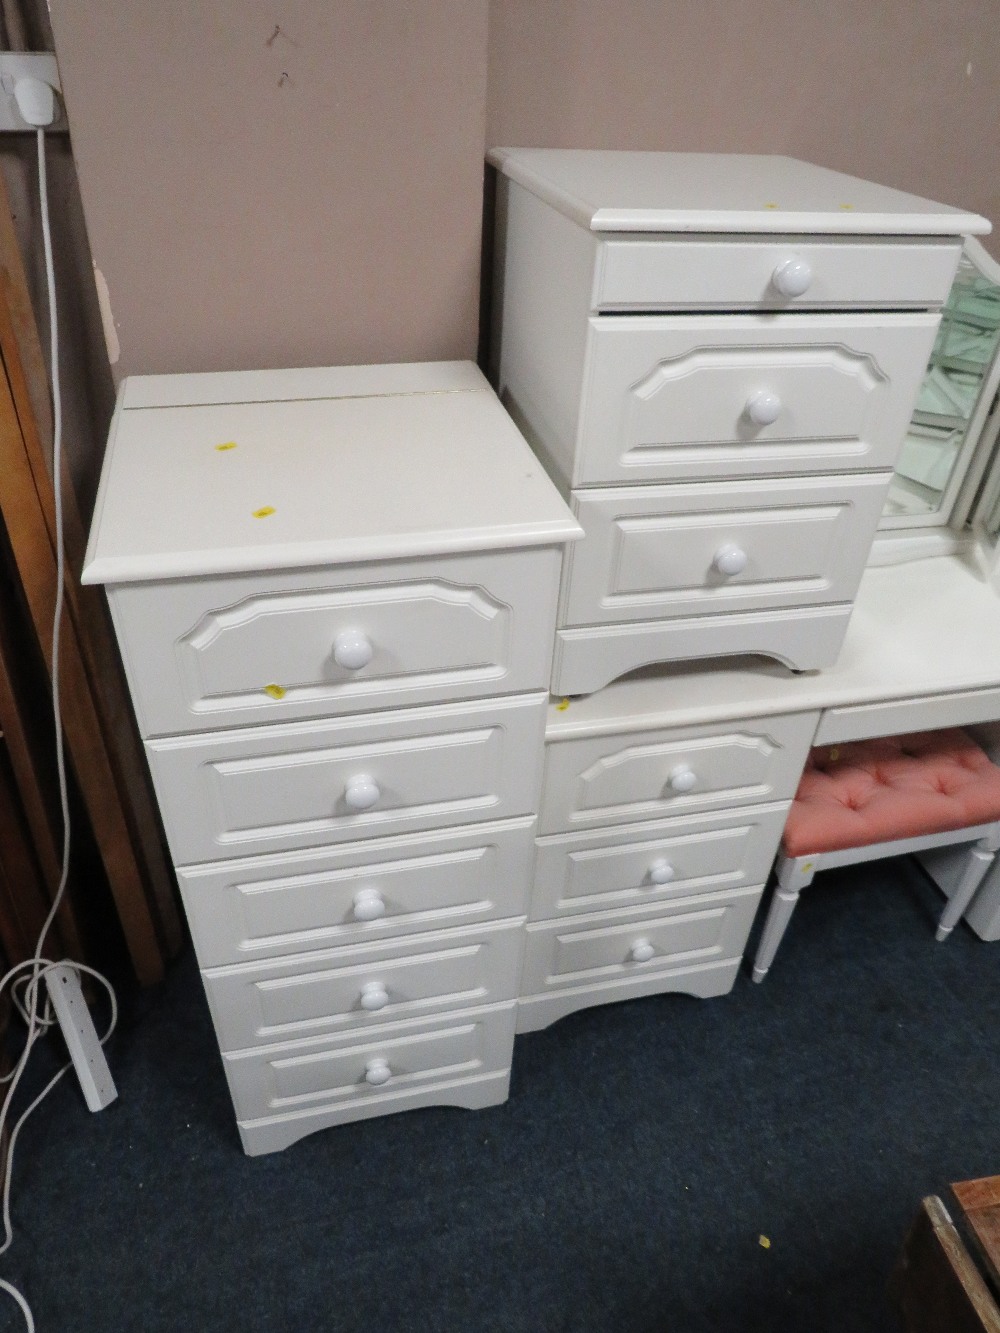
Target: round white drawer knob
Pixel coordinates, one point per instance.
(641, 951)
(763, 407)
(374, 996)
(792, 276)
(352, 649)
(681, 778)
(369, 905)
(362, 792)
(661, 871)
(730, 559)
(377, 1072)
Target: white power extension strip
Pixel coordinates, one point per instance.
(80, 1036)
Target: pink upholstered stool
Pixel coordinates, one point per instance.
(869, 799)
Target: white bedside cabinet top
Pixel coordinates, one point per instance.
(614, 191)
(252, 470)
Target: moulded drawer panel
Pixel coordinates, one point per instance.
(592, 781)
(225, 794)
(277, 1001)
(207, 654)
(648, 863)
(333, 1071)
(266, 906)
(671, 398)
(729, 272)
(654, 551)
(602, 947)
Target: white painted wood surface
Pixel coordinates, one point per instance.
(653, 552)
(612, 946)
(281, 1093)
(603, 780)
(280, 999)
(295, 902)
(297, 488)
(733, 273)
(641, 864)
(803, 637)
(245, 649)
(922, 648)
(263, 789)
(669, 397)
(610, 190)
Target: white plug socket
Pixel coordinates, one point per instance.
(36, 101)
(30, 68)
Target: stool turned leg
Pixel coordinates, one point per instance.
(979, 861)
(794, 874)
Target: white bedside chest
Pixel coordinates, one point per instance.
(716, 357)
(334, 592)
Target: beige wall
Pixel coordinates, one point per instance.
(877, 88)
(317, 198)
(255, 199)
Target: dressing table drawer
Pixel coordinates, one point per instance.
(266, 906)
(282, 1093)
(207, 654)
(683, 396)
(658, 773)
(364, 985)
(304, 784)
(648, 863)
(660, 551)
(692, 944)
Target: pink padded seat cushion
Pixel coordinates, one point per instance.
(899, 787)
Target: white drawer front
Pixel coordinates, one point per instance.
(805, 637)
(674, 398)
(732, 272)
(226, 794)
(208, 654)
(267, 906)
(683, 934)
(364, 986)
(661, 551)
(600, 780)
(649, 863)
(335, 1071)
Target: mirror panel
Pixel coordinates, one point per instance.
(949, 411)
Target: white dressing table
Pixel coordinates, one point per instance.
(337, 594)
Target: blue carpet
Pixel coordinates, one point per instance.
(645, 1150)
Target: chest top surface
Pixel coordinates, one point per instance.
(618, 191)
(224, 473)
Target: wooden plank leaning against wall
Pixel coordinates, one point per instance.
(103, 750)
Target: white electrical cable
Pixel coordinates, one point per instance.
(28, 1004)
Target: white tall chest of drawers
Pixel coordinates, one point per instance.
(716, 357)
(334, 592)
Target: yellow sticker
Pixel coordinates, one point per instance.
(806, 869)
(275, 691)
(562, 705)
(847, 207)
(770, 205)
(221, 448)
(265, 512)
(834, 754)
(763, 1242)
